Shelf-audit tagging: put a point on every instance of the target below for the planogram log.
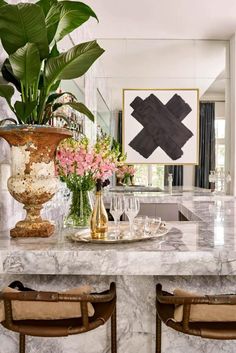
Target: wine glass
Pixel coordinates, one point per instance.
(116, 210)
(132, 207)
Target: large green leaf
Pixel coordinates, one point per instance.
(73, 63)
(54, 52)
(55, 96)
(8, 75)
(64, 17)
(23, 110)
(26, 64)
(81, 108)
(23, 23)
(55, 86)
(6, 91)
(46, 5)
(2, 3)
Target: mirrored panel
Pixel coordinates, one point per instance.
(169, 64)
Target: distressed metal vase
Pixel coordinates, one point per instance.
(33, 181)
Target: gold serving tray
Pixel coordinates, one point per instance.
(84, 236)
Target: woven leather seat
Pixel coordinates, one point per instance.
(104, 306)
(165, 308)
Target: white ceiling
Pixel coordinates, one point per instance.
(168, 19)
(162, 64)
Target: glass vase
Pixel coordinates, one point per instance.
(80, 209)
(127, 180)
(132, 180)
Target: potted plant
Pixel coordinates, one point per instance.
(29, 34)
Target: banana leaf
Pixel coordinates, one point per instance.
(23, 23)
(64, 17)
(23, 110)
(7, 91)
(8, 75)
(55, 96)
(46, 5)
(25, 63)
(80, 107)
(73, 63)
(2, 3)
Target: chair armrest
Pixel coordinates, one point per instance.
(55, 297)
(168, 298)
(31, 296)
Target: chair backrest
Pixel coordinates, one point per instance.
(35, 296)
(165, 299)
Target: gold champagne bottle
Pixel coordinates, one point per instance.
(99, 219)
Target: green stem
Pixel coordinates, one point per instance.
(35, 98)
(80, 209)
(43, 98)
(22, 91)
(42, 103)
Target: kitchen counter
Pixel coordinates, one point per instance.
(199, 246)
(199, 255)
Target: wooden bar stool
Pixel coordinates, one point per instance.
(104, 305)
(205, 316)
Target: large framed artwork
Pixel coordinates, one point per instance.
(160, 126)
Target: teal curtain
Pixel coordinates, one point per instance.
(206, 145)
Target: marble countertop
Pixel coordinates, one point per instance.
(178, 194)
(204, 245)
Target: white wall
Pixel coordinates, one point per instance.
(166, 64)
(220, 109)
(162, 64)
(231, 110)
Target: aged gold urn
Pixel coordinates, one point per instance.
(33, 181)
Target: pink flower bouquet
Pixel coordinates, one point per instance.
(124, 171)
(80, 165)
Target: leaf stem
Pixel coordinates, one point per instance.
(22, 91)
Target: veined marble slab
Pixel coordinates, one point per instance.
(204, 246)
(199, 255)
(187, 249)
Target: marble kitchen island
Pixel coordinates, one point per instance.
(198, 255)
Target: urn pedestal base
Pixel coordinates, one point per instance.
(25, 229)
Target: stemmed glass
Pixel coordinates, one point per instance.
(132, 207)
(116, 210)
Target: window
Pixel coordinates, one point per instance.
(157, 176)
(149, 175)
(141, 174)
(220, 143)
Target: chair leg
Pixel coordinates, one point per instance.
(113, 332)
(22, 343)
(158, 334)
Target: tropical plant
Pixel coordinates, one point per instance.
(29, 34)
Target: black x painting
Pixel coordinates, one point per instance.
(161, 126)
